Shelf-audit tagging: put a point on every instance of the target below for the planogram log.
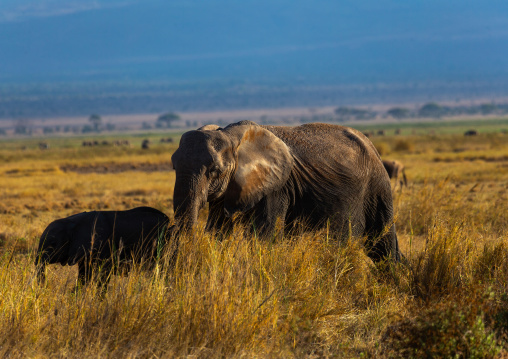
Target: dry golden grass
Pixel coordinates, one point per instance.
(305, 296)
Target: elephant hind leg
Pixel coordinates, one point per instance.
(384, 247)
(382, 242)
(84, 275)
(103, 276)
(84, 272)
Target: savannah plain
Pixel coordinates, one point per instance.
(305, 296)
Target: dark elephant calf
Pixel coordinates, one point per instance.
(102, 241)
(396, 169)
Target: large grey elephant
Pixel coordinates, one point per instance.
(318, 174)
(396, 169)
(102, 240)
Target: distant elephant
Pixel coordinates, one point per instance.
(145, 145)
(471, 133)
(106, 239)
(316, 174)
(395, 169)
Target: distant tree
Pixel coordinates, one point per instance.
(20, 130)
(399, 112)
(87, 129)
(342, 111)
(488, 108)
(47, 130)
(22, 127)
(96, 121)
(2, 132)
(110, 126)
(167, 119)
(431, 109)
(349, 113)
(191, 124)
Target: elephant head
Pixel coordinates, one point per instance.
(54, 246)
(60, 244)
(234, 167)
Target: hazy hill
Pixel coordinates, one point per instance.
(362, 40)
(264, 42)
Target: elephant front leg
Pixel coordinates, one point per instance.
(270, 216)
(217, 221)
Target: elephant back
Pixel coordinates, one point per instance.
(322, 145)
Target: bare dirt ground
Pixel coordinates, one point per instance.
(118, 167)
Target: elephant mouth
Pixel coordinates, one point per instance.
(231, 210)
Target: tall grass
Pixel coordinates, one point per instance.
(234, 297)
(301, 296)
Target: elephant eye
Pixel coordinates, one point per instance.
(214, 170)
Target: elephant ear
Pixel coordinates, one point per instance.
(264, 163)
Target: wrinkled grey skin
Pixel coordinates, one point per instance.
(395, 169)
(102, 238)
(312, 174)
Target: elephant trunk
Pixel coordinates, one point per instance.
(190, 196)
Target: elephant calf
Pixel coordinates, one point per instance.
(100, 241)
(396, 169)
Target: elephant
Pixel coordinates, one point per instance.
(394, 170)
(318, 174)
(145, 145)
(102, 241)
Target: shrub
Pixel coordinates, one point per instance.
(399, 112)
(383, 148)
(431, 109)
(454, 328)
(404, 145)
